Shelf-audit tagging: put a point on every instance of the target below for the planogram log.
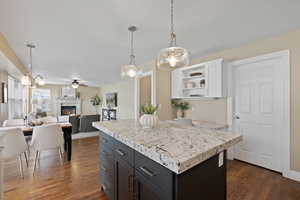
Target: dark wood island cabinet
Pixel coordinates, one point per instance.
(126, 174)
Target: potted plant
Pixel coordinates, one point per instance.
(96, 102)
(181, 107)
(149, 118)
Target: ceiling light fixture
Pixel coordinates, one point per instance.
(131, 70)
(173, 56)
(75, 84)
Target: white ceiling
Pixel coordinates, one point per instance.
(89, 38)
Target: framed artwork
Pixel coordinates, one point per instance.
(4, 93)
(68, 92)
(112, 100)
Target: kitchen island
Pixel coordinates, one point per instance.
(169, 162)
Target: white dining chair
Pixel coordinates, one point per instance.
(46, 137)
(48, 119)
(13, 122)
(15, 145)
(16, 123)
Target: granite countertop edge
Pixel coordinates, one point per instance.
(172, 164)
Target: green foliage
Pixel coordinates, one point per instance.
(182, 105)
(148, 109)
(96, 100)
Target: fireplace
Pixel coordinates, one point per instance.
(68, 110)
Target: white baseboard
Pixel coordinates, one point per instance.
(294, 175)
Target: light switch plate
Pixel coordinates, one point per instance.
(221, 159)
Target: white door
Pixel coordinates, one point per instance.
(258, 111)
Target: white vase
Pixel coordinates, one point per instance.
(148, 121)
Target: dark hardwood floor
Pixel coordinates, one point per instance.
(80, 180)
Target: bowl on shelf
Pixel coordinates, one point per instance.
(195, 74)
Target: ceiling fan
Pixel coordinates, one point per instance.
(76, 83)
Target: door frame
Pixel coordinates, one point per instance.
(285, 135)
(137, 92)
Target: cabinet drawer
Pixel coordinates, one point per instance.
(106, 140)
(154, 172)
(125, 152)
(106, 154)
(144, 189)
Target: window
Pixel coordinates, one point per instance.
(16, 102)
(41, 99)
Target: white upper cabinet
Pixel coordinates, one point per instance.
(201, 80)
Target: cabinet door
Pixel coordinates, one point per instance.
(215, 78)
(124, 180)
(145, 190)
(176, 84)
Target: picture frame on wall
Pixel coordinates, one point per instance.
(112, 100)
(4, 93)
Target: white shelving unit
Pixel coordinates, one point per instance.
(200, 80)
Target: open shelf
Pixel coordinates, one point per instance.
(193, 78)
(196, 88)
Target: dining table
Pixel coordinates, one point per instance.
(67, 135)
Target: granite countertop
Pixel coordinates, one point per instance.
(176, 147)
(207, 124)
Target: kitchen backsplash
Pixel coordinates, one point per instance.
(214, 110)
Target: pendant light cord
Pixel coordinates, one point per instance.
(132, 56)
(173, 35)
(31, 66)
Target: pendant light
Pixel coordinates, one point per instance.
(173, 56)
(131, 70)
(28, 79)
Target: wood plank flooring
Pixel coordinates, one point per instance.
(79, 179)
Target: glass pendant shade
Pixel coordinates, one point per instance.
(26, 80)
(39, 80)
(130, 70)
(173, 57)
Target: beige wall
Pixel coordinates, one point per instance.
(125, 90)
(214, 110)
(163, 94)
(10, 54)
(145, 90)
(85, 94)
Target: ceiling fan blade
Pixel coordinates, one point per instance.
(83, 85)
